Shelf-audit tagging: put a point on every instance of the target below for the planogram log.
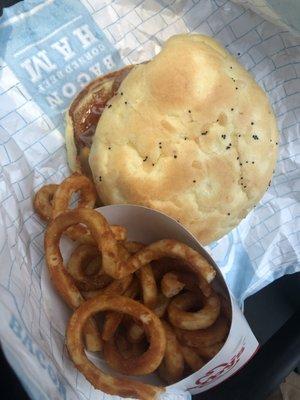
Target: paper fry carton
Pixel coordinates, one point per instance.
(146, 225)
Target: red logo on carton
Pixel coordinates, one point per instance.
(219, 370)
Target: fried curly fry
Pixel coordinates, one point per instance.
(64, 283)
(113, 319)
(77, 264)
(152, 357)
(133, 247)
(202, 319)
(204, 337)
(173, 282)
(106, 273)
(192, 359)
(117, 286)
(148, 285)
(129, 350)
(53, 199)
(116, 260)
(120, 232)
(42, 202)
(62, 197)
(172, 366)
(145, 276)
(161, 305)
(74, 183)
(170, 285)
(165, 265)
(80, 234)
(135, 332)
(203, 271)
(208, 352)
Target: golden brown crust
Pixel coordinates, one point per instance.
(192, 135)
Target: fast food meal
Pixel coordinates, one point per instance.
(188, 133)
(159, 308)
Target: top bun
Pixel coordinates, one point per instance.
(189, 133)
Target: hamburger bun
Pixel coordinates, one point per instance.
(191, 134)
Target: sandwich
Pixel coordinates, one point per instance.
(189, 133)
